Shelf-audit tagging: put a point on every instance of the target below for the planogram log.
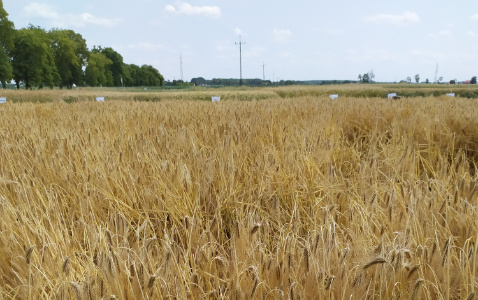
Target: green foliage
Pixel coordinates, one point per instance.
(6, 72)
(180, 83)
(116, 66)
(96, 73)
(150, 76)
(142, 76)
(33, 60)
(198, 81)
(473, 80)
(6, 46)
(71, 53)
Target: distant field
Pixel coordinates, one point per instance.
(241, 93)
(153, 195)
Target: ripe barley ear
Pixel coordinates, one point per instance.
(471, 296)
(65, 267)
(151, 281)
(306, 259)
(254, 229)
(28, 254)
(377, 260)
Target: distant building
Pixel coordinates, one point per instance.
(467, 82)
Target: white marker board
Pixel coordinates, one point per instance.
(334, 96)
(391, 95)
(451, 95)
(100, 99)
(216, 99)
(3, 99)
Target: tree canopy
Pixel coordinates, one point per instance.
(35, 57)
(33, 61)
(71, 55)
(97, 72)
(7, 32)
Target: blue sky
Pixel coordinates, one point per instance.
(296, 40)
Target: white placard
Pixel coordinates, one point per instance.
(3, 99)
(100, 99)
(334, 96)
(391, 95)
(216, 99)
(451, 95)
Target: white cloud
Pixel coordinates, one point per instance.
(442, 33)
(170, 8)
(86, 18)
(41, 10)
(471, 33)
(146, 46)
(474, 17)
(255, 52)
(45, 11)
(404, 19)
(331, 31)
(238, 31)
(282, 35)
(188, 9)
(221, 47)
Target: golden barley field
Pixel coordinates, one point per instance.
(293, 196)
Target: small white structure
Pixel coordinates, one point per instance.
(216, 99)
(3, 99)
(451, 95)
(333, 96)
(391, 95)
(100, 99)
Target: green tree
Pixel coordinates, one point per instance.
(70, 53)
(33, 61)
(145, 75)
(473, 80)
(365, 78)
(198, 81)
(7, 32)
(371, 76)
(116, 66)
(131, 75)
(150, 76)
(96, 72)
(409, 79)
(417, 78)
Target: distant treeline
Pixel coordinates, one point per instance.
(200, 81)
(35, 57)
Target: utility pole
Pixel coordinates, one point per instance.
(240, 59)
(181, 66)
(263, 72)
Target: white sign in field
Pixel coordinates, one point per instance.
(391, 95)
(216, 99)
(100, 99)
(3, 99)
(334, 96)
(451, 95)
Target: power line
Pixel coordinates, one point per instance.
(240, 59)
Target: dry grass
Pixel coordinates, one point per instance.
(283, 198)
